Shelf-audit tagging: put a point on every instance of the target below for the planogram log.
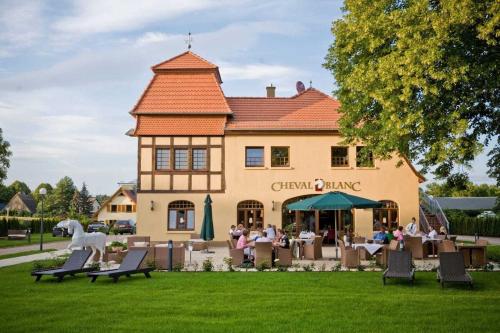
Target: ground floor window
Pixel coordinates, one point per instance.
(251, 214)
(387, 215)
(181, 215)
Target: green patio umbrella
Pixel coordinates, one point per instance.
(334, 201)
(207, 228)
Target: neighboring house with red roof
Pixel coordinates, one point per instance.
(253, 155)
(122, 205)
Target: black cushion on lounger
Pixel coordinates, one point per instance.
(74, 264)
(452, 268)
(399, 266)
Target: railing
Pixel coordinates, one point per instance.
(432, 206)
(424, 223)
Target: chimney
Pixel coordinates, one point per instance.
(271, 91)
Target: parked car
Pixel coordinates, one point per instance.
(60, 230)
(487, 214)
(98, 227)
(124, 227)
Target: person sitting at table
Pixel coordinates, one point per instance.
(432, 233)
(411, 229)
(442, 230)
(238, 231)
(398, 234)
(270, 232)
(283, 240)
(231, 230)
(264, 238)
(380, 236)
(243, 243)
(389, 236)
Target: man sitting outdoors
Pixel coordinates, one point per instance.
(380, 236)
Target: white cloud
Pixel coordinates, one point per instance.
(152, 37)
(21, 24)
(98, 16)
(257, 71)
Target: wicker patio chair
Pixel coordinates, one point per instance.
(285, 256)
(452, 269)
(263, 253)
(136, 239)
(237, 255)
(415, 246)
(399, 266)
(161, 258)
(314, 251)
(349, 256)
(382, 257)
(446, 246)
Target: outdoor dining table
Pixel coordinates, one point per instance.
(372, 248)
(474, 255)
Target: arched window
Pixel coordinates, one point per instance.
(387, 215)
(251, 214)
(181, 215)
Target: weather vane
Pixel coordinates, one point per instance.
(310, 83)
(189, 40)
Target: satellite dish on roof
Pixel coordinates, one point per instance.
(300, 87)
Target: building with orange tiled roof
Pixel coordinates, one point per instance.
(253, 155)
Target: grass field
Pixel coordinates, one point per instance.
(35, 239)
(247, 302)
(24, 253)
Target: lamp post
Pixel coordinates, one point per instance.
(42, 192)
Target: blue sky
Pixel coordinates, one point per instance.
(70, 71)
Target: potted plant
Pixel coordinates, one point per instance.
(117, 246)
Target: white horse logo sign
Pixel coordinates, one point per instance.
(319, 184)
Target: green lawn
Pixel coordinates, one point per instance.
(247, 302)
(35, 239)
(24, 253)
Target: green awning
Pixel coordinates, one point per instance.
(333, 201)
(207, 228)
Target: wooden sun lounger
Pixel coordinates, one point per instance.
(399, 266)
(130, 265)
(75, 264)
(452, 269)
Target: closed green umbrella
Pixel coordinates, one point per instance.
(334, 201)
(207, 228)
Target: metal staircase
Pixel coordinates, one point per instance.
(431, 213)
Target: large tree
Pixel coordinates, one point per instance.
(19, 186)
(420, 78)
(5, 153)
(59, 201)
(85, 202)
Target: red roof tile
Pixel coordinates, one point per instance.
(183, 92)
(311, 109)
(180, 125)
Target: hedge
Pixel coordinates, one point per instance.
(461, 225)
(34, 225)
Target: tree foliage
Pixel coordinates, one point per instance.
(36, 192)
(453, 188)
(5, 153)
(58, 203)
(19, 186)
(420, 78)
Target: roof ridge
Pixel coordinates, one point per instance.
(183, 54)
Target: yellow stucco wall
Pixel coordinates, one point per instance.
(309, 160)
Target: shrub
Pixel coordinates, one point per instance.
(336, 267)
(308, 267)
(118, 244)
(95, 266)
(262, 266)
(229, 263)
(177, 267)
(282, 268)
(464, 225)
(208, 265)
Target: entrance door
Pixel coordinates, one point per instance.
(251, 214)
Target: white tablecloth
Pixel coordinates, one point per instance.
(370, 247)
